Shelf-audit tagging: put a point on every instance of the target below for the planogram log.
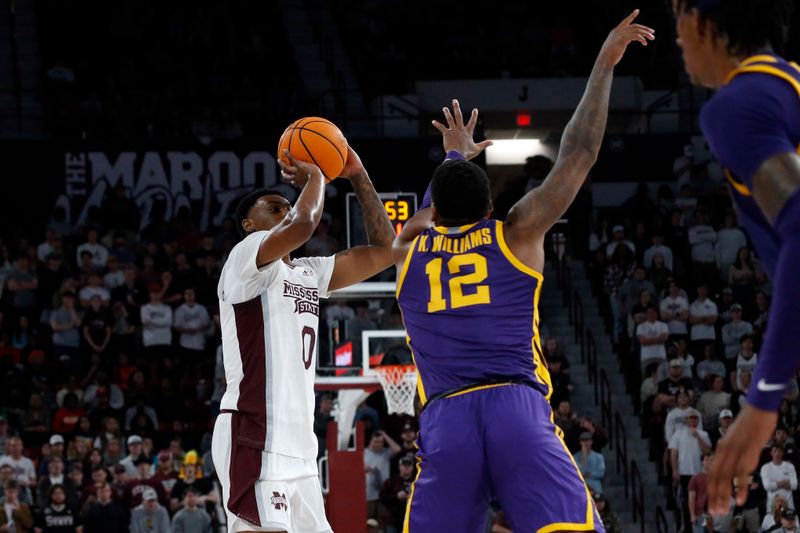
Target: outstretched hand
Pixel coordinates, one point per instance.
(624, 34)
(457, 135)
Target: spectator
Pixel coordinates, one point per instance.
(396, 490)
(698, 497)
(191, 475)
(652, 334)
(131, 293)
(675, 310)
(338, 310)
(408, 438)
(156, 326)
(137, 487)
(609, 518)
(745, 362)
(649, 388)
(98, 250)
(322, 417)
(57, 516)
(743, 276)
(591, 464)
(134, 443)
(687, 445)
(6, 433)
(55, 478)
(659, 274)
(761, 314)
(658, 247)
(96, 326)
(564, 417)
(377, 460)
(22, 285)
(739, 397)
(56, 449)
(617, 271)
(703, 239)
(191, 519)
(138, 411)
(772, 519)
(584, 424)
(149, 516)
(104, 515)
(102, 394)
(710, 364)
(65, 322)
(22, 467)
(632, 289)
(618, 237)
(715, 400)
(729, 240)
(779, 478)
(702, 316)
(24, 493)
(677, 417)
(733, 331)
(15, 516)
(192, 322)
(560, 381)
(94, 288)
(67, 417)
(781, 438)
(166, 474)
(788, 521)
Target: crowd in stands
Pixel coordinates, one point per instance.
(687, 306)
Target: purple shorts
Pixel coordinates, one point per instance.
(496, 443)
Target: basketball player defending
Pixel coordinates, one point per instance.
(264, 445)
(752, 125)
(468, 288)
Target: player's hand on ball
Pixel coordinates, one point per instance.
(298, 172)
(458, 136)
(624, 34)
(353, 166)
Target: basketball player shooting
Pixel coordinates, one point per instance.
(469, 289)
(264, 444)
(752, 125)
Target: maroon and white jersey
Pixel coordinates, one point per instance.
(269, 319)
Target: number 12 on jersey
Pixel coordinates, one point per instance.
(457, 282)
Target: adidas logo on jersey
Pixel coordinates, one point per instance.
(278, 500)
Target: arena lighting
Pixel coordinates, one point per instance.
(512, 151)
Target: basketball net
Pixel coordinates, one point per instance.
(399, 384)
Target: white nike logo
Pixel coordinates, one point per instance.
(763, 386)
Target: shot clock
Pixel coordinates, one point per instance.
(399, 206)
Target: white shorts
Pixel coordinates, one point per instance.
(286, 493)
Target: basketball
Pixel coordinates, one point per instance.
(315, 140)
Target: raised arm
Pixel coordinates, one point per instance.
(362, 262)
(537, 211)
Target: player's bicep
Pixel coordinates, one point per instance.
(283, 239)
(422, 220)
(775, 182)
(357, 264)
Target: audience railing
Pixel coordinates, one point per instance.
(637, 489)
(621, 438)
(606, 420)
(662, 526)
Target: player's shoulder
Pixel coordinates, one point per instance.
(748, 95)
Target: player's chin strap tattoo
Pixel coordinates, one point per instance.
(376, 224)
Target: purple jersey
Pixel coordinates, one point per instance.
(471, 311)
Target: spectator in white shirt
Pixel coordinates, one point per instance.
(702, 317)
(98, 251)
(22, 468)
(729, 240)
(658, 248)
(733, 331)
(115, 276)
(746, 361)
(618, 235)
(675, 310)
(710, 363)
(702, 239)
(48, 246)
(652, 334)
(686, 447)
(94, 288)
(714, 400)
(156, 325)
(677, 416)
(192, 322)
(779, 477)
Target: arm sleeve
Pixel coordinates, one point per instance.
(747, 122)
(242, 278)
(673, 442)
(323, 271)
(779, 356)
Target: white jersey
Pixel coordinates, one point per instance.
(269, 319)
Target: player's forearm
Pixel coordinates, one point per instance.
(307, 210)
(376, 222)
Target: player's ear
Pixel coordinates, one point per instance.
(247, 225)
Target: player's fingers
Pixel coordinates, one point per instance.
(483, 145)
(641, 27)
(630, 18)
(720, 480)
(439, 126)
(473, 120)
(457, 114)
(448, 117)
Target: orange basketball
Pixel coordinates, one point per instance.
(315, 140)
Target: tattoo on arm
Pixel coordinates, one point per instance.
(588, 125)
(376, 223)
(775, 182)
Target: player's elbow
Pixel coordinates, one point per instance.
(580, 158)
(302, 226)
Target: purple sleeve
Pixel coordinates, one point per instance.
(780, 357)
(748, 121)
(427, 200)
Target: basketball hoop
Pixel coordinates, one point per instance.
(399, 384)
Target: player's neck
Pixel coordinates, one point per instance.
(725, 63)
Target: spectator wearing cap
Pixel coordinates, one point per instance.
(591, 464)
(686, 359)
(192, 518)
(710, 364)
(676, 418)
(703, 239)
(21, 466)
(788, 522)
(65, 321)
(191, 475)
(58, 515)
(702, 317)
(156, 319)
(652, 334)
(135, 488)
(714, 400)
(56, 449)
(675, 310)
(686, 446)
(779, 477)
(149, 516)
(13, 512)
(733, 331)
(617, 238)
(165, 471)
(134, 444)
(396, 490)
(746, 361)
(105, 515)
(658, 247)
